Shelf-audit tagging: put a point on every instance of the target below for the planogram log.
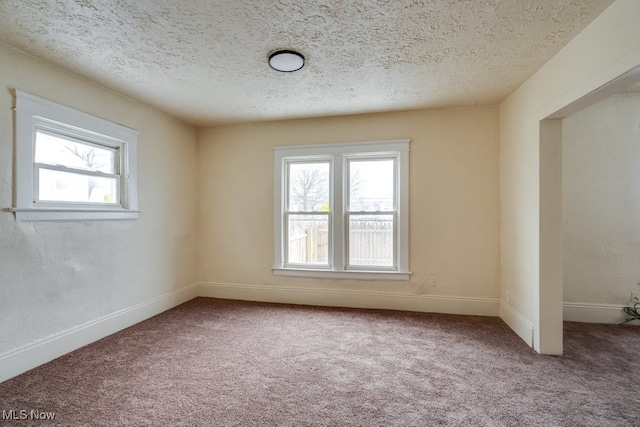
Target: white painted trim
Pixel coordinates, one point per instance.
(521, 326)
(341, 147)
(613, 87)
(337, 154)
(60, 214)
(352, 299)
(548, 324)
(594, 313)
(22, 359)
(33, 113)
(344, 274)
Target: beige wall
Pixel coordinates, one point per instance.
(601, 203)
(609, 47)
(454, 217)
(58, 276)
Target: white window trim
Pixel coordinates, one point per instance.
(400, 148)
(33, 112)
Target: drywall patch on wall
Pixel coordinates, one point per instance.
(601, 202)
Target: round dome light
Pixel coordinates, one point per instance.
(286, 61)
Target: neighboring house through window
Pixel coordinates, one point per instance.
(71, 165)
(342, 210)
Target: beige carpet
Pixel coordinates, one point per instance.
(230, 363)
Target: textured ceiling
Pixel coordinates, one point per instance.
(205, 61)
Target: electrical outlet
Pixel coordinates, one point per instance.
(423, 288)
(506, 295)
(432, 282)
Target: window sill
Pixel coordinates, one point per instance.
(66, 214)
(346, 274)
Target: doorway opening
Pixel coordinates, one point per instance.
(553, 241)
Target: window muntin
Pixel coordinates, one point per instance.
(363, 228)
(71, 165)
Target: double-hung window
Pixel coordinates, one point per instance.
(71, 165)
(341, 210)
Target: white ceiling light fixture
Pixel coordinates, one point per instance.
(286, 61)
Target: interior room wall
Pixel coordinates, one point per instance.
(59, 278)
(606, 49)
(601, 205)
(454, 211)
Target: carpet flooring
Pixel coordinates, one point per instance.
(213, 362)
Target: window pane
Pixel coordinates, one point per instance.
(308, 239)
(57, 150)
(371, 185)
(309, 187)
(371, 240)
(73, 187)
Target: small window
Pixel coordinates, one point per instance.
(342, 210)
(71, 165)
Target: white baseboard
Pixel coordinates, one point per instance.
(594, 313)
(34, 354)
(521, 326)
(24, 358)
(352, 299)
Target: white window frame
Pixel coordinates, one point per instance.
(338, 154)
(34, 113)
